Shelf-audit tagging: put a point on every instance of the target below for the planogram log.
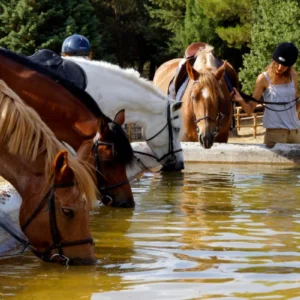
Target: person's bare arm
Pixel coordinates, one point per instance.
(295, 77)
(260, 85)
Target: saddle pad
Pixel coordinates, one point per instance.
(64, 68)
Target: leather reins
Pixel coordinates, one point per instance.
(171, 153)
(105, 197)
(46, 256)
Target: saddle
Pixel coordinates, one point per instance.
(180, 81)
(64, 68)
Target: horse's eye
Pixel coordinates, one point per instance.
(68, 212)
(193, 98)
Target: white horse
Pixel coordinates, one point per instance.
(10, 202)
(114, 89)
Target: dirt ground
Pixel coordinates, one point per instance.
(245, 135)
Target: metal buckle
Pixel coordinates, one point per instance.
(62, 258)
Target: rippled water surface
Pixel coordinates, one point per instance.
(211, 232)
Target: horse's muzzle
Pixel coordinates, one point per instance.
(82, 261)
(206, 141)
(172, 165)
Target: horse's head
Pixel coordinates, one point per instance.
(206, 97)
(58, 226)
(112, 152)
(56, 189)
(167, 136)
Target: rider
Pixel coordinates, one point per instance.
(279, 83)
(76, 45)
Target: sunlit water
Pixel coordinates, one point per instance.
(211, 232)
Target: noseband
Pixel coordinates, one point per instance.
(217, 120)
(56, 238)
(106, 198)
(171, 153)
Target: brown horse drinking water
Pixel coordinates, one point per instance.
(207, 107)
(57, 189)
(74, 118)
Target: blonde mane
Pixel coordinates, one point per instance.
(205, 58)
(208, 80)
(24, 133)
(205, 65)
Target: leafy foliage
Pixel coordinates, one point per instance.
(272, 25)
(233, 18)
(29, 25)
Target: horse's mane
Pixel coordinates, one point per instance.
(26, 134)
(208, 80)
(130, 74)
(205, 58)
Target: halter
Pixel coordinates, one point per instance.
(106, 199)
(218, 120)
(171, 153)
(56, 239)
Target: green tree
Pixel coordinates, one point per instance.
(197, 26)
(272, 25)
(188, 21)
(233, 19)
(29, 25)
(168, 20)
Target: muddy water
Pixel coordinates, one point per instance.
(211, 232)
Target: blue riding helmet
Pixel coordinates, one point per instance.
(76, 45)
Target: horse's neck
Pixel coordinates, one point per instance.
(142, 106)
(114, 90)
(25, 176)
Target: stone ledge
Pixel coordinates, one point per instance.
(285, 154)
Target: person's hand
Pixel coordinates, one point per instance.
(236, 96)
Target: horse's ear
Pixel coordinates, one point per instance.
(193, 74)
(103, 126)
(220, 72)
(62, 171)
(177, 106)
(84, 151)
(120, 117)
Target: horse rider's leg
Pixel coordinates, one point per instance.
(273, 136)
(294, 136)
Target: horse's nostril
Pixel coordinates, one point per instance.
(201, 139)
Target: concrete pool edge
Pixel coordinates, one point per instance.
(281, 154)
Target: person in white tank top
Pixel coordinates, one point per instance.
(278, 84)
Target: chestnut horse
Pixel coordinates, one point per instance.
(57, 189)
(207, 107)
(74, 117)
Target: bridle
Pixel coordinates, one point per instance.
(103, 188)
(46, 256)
(171, 153)
(218, 120)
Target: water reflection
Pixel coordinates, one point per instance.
(210, 232)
